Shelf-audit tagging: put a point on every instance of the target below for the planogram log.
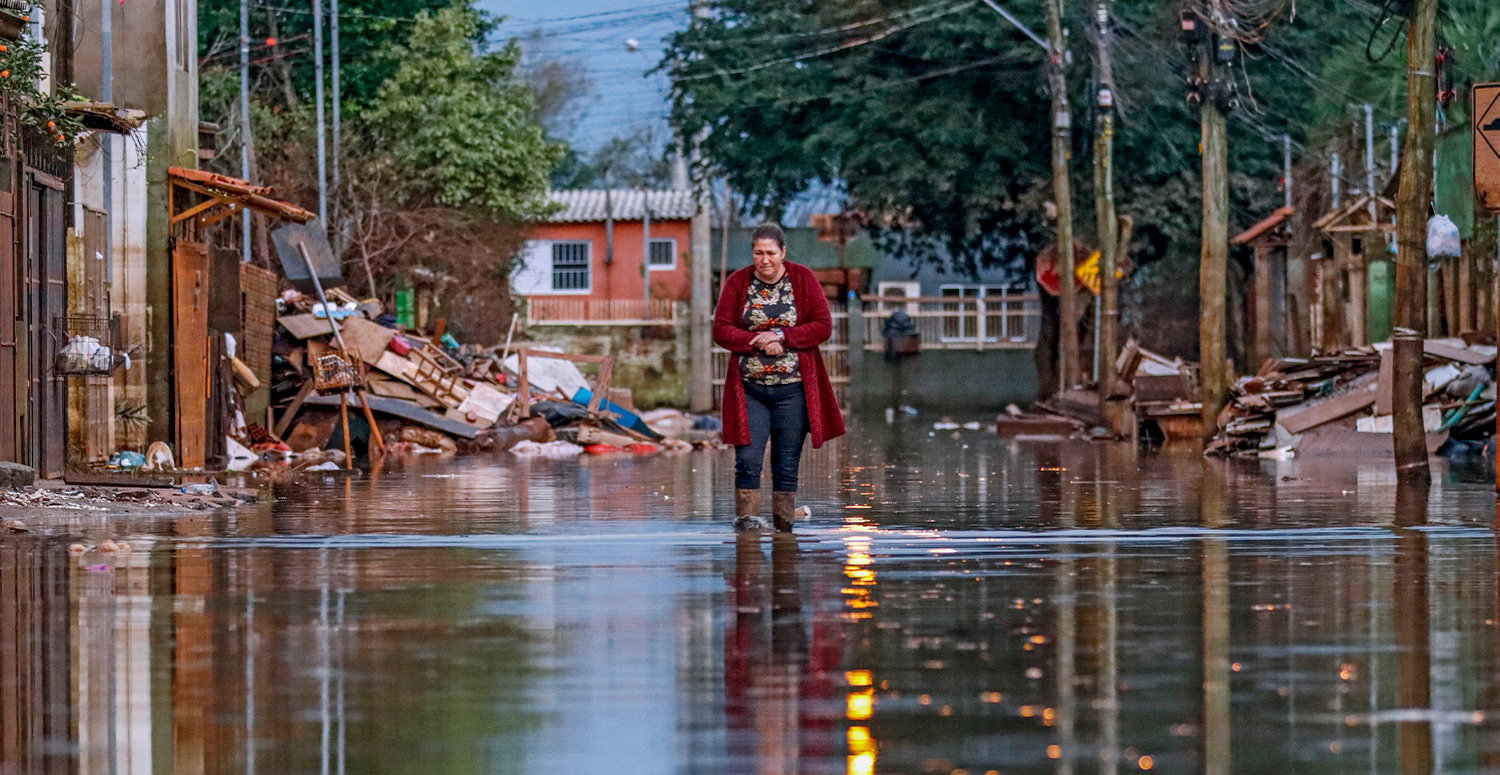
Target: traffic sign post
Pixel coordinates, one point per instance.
(1486, 109)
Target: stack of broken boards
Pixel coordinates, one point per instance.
(1339, 405)
(407, 376)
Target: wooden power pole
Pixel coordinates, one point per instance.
(1104, 208)
(1411, 243)
(1062, 139)
(1212, 378)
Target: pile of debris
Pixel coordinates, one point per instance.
(1340, 403)
(1161, 392)
(412, 394)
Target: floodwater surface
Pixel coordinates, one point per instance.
(956, 603)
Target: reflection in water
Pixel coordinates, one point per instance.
(962, 603)
(766, 665)
(1413, 633)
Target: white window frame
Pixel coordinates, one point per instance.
(994, 324)
(588, 248)
(662, 267)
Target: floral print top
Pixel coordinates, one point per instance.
(770, 307)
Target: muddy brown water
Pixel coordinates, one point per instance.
(957, 603)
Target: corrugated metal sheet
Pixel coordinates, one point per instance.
(588, 205)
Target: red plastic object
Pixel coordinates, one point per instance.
(400, 346)
(601, 449)
(643, 449)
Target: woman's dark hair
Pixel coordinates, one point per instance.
(769, 231)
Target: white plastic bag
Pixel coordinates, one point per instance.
(1442, 238)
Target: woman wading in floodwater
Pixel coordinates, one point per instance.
(772, 316)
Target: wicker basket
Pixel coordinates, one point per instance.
(335, 373)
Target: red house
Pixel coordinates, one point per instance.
(585, 262)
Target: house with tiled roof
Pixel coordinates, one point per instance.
(592, 260)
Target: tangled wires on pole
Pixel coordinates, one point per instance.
(1243, 21)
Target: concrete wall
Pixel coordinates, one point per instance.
(155, 62)
(952, 382)
(155, 70)
(127, 251)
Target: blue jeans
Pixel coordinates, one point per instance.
(777, 413)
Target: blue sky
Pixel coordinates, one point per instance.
(595, 32)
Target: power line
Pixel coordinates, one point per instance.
(875, 37)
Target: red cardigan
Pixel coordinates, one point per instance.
(814, 326)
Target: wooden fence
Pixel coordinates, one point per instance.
(599, 312)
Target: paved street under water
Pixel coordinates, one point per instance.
(958, 602)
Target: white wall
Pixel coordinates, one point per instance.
(533, 273)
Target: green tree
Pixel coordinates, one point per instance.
(460, 122)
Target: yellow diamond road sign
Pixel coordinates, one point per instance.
(1486, 105)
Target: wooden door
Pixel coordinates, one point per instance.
(190, 350)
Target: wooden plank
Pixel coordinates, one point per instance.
(406, 410)
(396, 366)
(292, 410)
(305, 326)
(1383, 385)
(590, 435)
(367, 338)
(190, 350)
(113, 479)
(1326, 411)
(393, 389)
(1439, 349)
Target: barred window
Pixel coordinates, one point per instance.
(570, 266)
(663, 253)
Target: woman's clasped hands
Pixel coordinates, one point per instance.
(768, 342)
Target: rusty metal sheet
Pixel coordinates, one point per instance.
(1486, 109)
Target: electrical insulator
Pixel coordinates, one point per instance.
(1106, 98)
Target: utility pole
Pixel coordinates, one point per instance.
(1070, 370)
(1286, 169)
(338, 135)
(724, 238)
(1411, 244)
(1104, 207)
(318, 97)
(1395, 147)
(1214, 255)
(245, 144)
(701, 273)
(1335, 171)
(646, 251)
(107, 146)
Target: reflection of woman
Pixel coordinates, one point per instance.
(772, 316)
(764, 687)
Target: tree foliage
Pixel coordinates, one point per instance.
(934, 115)
(461, 123)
